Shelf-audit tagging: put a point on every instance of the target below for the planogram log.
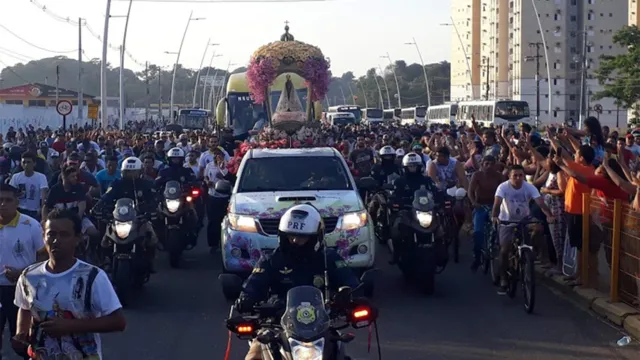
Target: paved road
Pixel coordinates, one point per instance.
(179, 315)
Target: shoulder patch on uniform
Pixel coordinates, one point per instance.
(257, 270)
(26, 222)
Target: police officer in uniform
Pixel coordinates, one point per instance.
(132, 186)
(299, 260)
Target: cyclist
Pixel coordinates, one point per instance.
(511, 204)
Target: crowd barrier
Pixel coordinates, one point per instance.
(611, 232)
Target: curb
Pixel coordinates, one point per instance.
(617, 313)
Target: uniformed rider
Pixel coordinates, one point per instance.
(383, 172)
(299, 260)
(132, 186)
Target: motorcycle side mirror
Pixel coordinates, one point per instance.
(388, 186)
(367, 183)
(343, 296)
(346, 338)
(231, 285)
(369, 276)
(223, 187)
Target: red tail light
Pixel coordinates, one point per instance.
(195, 192)
(244, 329)
(361, 313)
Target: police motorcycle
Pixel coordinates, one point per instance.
(381, 195)
(308, 326)
(174, 210)
(130, 264)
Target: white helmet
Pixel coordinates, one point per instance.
(400, 153)
(175, 152)
(461, 193)
(412, 159)
(303, 219)
(131, 164)
(387, 150)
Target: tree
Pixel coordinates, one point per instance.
(620, 74)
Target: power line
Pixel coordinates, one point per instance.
(16, 53)
(13, 56)
(85, 24)
(34, 45)
(226, 1)
(13, 72)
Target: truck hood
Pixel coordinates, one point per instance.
(274, 204)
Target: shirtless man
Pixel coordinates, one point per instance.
(482, 188)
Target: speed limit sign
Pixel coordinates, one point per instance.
(64, 107)
(598, 108)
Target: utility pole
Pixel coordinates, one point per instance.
(57, 84)
(537, 57)
(80, 95)
(146, 81)
(160, 116)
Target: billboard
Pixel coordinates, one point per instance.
(212, 80)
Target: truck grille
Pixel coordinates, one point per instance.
(270, 226)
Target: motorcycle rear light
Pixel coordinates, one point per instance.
(195, 192)
(361, 313)
(245, 329)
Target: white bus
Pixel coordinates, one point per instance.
(442, 114)
(372, 115)
(494, 112)
(413, 115)
(392, 114)
(354, 109)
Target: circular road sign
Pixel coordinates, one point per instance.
(64, 107)
(597, 108)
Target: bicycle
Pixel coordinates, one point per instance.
(489, 251)
(521, 264)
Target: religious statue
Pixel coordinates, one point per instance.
(286, 36)
(289, 114)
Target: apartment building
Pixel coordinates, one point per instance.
(511, 51)
(634, 12)
(465, 49)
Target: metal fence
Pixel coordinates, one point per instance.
(611, 232)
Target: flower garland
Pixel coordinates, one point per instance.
(267, 60)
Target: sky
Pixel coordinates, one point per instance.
(352, 33)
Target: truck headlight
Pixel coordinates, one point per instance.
(424, 218)
(173, 205)
(354, 220)
(123, 228)
(242, 223)
(307, 351)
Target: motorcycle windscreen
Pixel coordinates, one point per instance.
(423, 200)
(305, 317)
(172, 190)
(124, 210)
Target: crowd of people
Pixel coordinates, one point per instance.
(54, 178)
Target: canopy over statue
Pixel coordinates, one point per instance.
(288, 56)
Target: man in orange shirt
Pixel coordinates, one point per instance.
(574, 192)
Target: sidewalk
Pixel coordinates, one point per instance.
(619, 314)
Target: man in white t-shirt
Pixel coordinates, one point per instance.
(512, 204)
(33, 187)
(64, 302)
(21, 245)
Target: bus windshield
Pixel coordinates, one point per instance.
(512, 109)
(241, 112)
(193, 118)
(454, 109)
(355, 110)
(374, 113)
(338, 120)
(421, 112)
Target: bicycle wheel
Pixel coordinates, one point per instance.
(485, 254)
(527, 274)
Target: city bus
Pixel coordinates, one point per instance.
(494, 112)
(442, 114)
(413, 115)
(354, 109)
(392, 114)
(238, 111)
(372, 115)
(193, 118)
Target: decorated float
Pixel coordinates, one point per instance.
(291, 124)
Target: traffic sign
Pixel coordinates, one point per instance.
(64, 107)
(597, 108)
(93, 111)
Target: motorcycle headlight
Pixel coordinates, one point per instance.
(307, 351)
(424, 218)
(354, 220)
(123, 228)
(173, 205)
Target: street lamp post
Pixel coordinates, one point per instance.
(375, 77)
(195, 87)
(424, 70)
(224, 79)
(353, 98)
(385, 86)
(175, 67)
(364, 93)
(122, 52)
(103, 68)
(344, 98)
(215, 76)
(464, 52)
(546, 53)
(393, 68)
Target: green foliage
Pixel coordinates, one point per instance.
(620, 74)
(410, 79)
